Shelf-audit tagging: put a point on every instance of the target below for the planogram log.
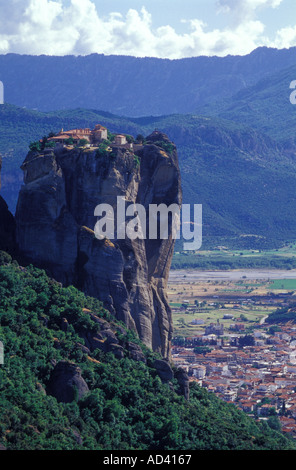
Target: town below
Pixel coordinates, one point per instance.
(228, 337)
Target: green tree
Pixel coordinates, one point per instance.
(247, 340)
(83, 142)
(140, 138)
(35, 146)
(50, 144)
(201, 350)
(274, 423)
(5, 258)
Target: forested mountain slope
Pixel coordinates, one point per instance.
(64, 388)
(133, 86)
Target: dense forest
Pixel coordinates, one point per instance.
(126, 406)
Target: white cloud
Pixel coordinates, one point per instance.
(54, 28)
(285, 37)
(42, 12)
(245, 10)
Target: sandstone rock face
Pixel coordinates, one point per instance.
(167, 374)
(7, 225)
(183, 380)
(55, 228)
(66, 382)
(164, 370)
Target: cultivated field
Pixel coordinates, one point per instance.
(232, 297)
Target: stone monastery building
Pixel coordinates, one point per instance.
(93, 137)
(97, 135)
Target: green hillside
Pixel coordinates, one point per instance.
(125, 407)
(264, 106)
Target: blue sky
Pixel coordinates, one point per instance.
(172, 11)
(157, 28)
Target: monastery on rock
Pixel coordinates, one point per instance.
(95, 136)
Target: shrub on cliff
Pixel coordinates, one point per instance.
(103, 150)
(35, 146)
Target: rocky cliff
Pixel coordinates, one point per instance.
(55, 228)
(7, 225)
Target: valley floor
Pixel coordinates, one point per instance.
(187, 275)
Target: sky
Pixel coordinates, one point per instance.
(170, 29)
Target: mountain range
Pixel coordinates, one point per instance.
(133, 86)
